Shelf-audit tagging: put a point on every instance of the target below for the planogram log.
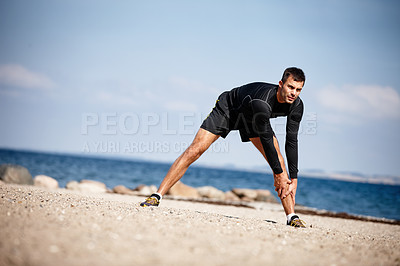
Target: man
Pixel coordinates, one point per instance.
(248, 109)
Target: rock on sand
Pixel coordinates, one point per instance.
(182, 190)
(45, 181)
(120, 189)
(87, 186)
(211, 193)
(11, 173)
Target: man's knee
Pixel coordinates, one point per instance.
(194, 151)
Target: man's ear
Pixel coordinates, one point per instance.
(280, 84)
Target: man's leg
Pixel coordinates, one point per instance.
(200, 144)
(287, 202)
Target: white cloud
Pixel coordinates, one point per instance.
(18, 76)
(361, 101)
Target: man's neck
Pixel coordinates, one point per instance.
(277, 97)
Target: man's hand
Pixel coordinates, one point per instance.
(292, 190)
(281, 182)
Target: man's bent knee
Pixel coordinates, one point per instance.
(194, 152)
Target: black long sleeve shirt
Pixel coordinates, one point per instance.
(251, 108)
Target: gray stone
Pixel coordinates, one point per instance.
(249, 194)
(265, 195)
(122, 190)
(140, 187)
(72, 185)
(182, 190)
(230, 196)
(147, 190)
(45, 181)
(246, 199)
(11, 173)
(87, 186)
(211, 193)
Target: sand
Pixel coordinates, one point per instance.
(60, 227)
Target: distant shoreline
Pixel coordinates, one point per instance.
(383, 180)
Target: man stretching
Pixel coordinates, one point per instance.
(248, 109)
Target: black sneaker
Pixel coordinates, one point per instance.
(296, 222)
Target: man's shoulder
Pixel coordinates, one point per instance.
(260, 84)
(297, 106)
(257, 90)
(299, 101)
(245, 94)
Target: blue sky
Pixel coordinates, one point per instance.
(136, 78)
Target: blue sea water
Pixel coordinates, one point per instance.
(339, 196)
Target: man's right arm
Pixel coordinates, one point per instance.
(291, 145)
(262, 127)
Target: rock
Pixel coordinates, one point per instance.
(265, 195)
(246, 199)
(147, 190)
(182, 190)
(11, 173)
(72, 185)
(87, 186)
(245, 192)
(211, 193)
(138, 188)
(122, 190)
(230, 196)
(45, 181)
(93, 182)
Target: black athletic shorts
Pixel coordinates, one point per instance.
(223, 119)
(217, 122)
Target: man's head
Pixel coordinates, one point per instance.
(290, 85)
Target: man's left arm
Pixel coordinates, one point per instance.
(291, 144)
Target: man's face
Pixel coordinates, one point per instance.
(288, 92)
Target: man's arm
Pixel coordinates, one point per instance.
(291, 145)
(262, 127)
(281, 181)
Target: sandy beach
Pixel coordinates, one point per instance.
(61, 227)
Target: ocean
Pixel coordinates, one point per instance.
(332, 195)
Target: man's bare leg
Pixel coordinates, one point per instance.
(200, 144)
(287, 202)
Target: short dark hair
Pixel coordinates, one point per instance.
(296, 73)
